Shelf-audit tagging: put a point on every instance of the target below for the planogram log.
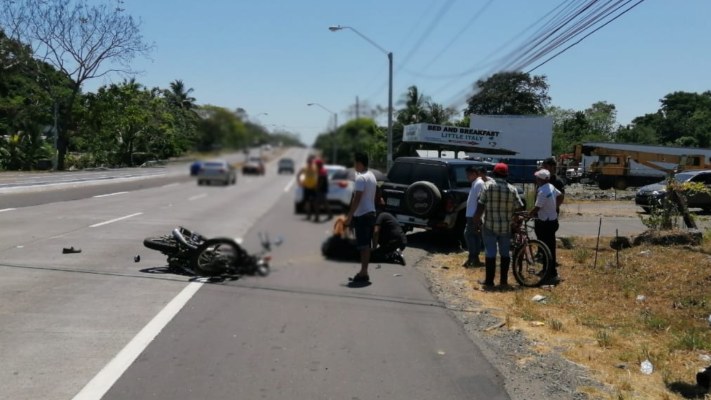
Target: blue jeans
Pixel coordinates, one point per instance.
(493, 240)
(473, 239)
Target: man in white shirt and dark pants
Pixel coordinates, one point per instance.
(472, 235)
(361, 215)
(548, 200)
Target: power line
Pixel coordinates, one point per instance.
(584, 37)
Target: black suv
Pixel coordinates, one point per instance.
(429, 193)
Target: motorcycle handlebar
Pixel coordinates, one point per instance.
(178, 235)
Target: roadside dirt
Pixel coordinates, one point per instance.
(532, 368)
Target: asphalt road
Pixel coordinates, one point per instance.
(98, 325)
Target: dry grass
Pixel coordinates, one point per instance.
(597, 317)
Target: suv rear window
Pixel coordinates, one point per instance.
(436, 174)
(400, 173)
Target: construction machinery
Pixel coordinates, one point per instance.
(619, 165)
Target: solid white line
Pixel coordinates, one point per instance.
(199, 196)
(102, 382)
(109, 194)
(7, 209)
(114, 220)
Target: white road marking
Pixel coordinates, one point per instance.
(7, 209)
(109, 194)
(170, 184)
(289, 185)
(105, 379)
(199, 196)
(114, 220)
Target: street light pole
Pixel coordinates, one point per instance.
(335, 128)
(335, 28)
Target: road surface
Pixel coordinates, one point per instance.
(97, 324)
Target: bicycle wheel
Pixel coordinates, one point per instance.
(215, 257)
(530, 263)
(164, 244)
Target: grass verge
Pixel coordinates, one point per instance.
(614, 310)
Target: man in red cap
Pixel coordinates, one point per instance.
(497, 204)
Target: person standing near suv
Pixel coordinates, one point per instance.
(477, 177)
(307, 178)
(362, 213)
(550, 165)
(548, 200)
(497, 204)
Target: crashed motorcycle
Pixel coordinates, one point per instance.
(192, 252)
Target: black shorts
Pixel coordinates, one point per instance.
(363, 226)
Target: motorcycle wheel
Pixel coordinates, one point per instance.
(215, 257)
(164, 244)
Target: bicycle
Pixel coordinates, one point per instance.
(530, 257)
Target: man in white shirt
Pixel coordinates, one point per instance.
(472, 235)
(362, 213)
(548, 200)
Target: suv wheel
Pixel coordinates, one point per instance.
(422, 197)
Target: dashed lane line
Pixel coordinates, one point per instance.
(114, 220)
(109, 194)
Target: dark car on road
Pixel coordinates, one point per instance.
(285, 165)
(254, 166)
(651, 196)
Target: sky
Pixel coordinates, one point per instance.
(273, 57)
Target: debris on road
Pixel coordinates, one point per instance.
(70, 250)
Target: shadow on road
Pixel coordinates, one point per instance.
(433, 242)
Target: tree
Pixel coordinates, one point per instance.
(179, 96)
(26, 109)
(596, 123)
(80, 40)
(509, 93)
(118, 118)
(415, 110)
(684, 118)
(220, 128)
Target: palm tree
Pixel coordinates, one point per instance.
(179, 96)
(415, 110)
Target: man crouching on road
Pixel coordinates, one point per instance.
(362, 213)
(497, 203)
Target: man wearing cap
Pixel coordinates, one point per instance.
(477, 177)
(548, 200)
(551, 165)
(497, 204)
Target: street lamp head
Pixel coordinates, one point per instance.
(334, 28)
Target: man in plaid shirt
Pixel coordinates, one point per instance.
(497, 204)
